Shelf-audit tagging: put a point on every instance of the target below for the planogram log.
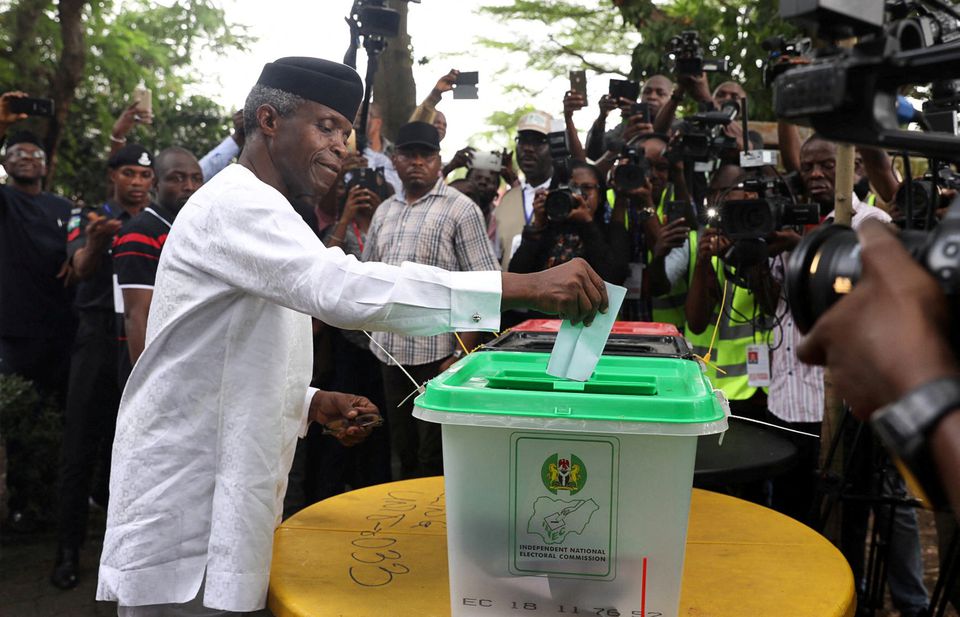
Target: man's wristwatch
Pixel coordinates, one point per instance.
(904, 427)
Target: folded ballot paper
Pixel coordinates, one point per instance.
(578, 348)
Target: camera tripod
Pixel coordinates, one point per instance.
(864, 485)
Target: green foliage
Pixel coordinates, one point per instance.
(598, 37)
(732, 29)
(31, 430)
(125, 43)
(578, 35)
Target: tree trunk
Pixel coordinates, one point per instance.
(68, 76)
(393, 87)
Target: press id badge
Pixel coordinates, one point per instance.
(758, 365)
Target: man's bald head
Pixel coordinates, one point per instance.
(729, 91)
(655, 93)
(818, 162)
(440, 123)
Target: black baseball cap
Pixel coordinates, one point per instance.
(418, 134)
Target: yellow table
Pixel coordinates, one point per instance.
(382, 551)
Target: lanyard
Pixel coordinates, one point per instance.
(356, 232)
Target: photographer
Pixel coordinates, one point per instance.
(743, 320)
(556, 237)
(697, 87)
(515, 210)
(874, 174)
(818, 163)
(656, 301)
(655, 93)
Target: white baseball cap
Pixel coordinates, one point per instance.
(537, 121)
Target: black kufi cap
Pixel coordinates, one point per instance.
(131, 154)
(418, 134)
(335, 85)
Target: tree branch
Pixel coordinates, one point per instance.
(590, 65)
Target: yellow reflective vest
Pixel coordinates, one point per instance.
(738, 330)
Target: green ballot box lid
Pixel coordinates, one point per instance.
(640, 395)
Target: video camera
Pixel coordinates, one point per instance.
(849, 95)
(921, 197)
(770, 211)
(685, 56)
(784, 55)
(700, 137)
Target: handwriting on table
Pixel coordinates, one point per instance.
(376, 558)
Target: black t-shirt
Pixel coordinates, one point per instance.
(95, 292)
(33, 242)
(136, 255)
(136, 249)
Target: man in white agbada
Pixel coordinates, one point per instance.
(211, 413)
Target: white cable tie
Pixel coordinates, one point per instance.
(782, 428)
(419, 388)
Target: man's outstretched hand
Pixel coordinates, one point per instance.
(572, 290)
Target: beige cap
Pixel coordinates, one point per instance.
(538, 121)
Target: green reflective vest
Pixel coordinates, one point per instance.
(737, 331)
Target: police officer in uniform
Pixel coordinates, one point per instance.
(93, 393)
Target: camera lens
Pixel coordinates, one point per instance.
(747, 218)
(826, 265)
(558, 205)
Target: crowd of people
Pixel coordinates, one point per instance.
(77, 306)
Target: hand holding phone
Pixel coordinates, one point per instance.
(143, 99)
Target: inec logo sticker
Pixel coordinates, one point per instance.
(567, 474)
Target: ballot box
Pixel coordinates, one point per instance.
(568, 497)
(627, 338)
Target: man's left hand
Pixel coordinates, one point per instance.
(329, 406)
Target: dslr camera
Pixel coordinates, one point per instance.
(633, 170)
(560, 201)
(368, 178)
(685, 56)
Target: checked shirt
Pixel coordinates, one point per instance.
(444, 228)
